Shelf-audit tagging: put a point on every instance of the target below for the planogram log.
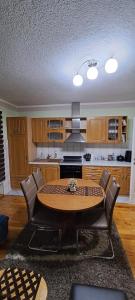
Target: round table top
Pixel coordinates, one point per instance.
(71, 202)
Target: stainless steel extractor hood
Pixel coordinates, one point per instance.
(75, 135)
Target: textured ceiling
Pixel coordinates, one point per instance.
(43, 42)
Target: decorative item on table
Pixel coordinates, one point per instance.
(72, 185)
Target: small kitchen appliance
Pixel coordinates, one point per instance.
(120, 158)
(128, 155)
(87, 156)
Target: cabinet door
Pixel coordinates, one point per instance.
(55, 135)
(55, 123)
(96, 130)
(114, 130)
(39, 130)
(18, 155)
(92, 173)
(16, 125)
(125, 181)
(49, 172)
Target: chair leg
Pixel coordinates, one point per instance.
(77, 241)
(110, 244)
(60, 238)
(41, 248)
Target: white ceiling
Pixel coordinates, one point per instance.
(43, 43)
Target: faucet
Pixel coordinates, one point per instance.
(55, 154)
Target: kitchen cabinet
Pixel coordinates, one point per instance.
(21, 148)
(18, 149)
(16, 126)
(96, 130)
(39, 130)
(107, 130)
(55, 130)
(50, 172)
(48, 130)
(113, 130)
(122, 175)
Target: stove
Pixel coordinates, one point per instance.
(71, 167)
(73, 158)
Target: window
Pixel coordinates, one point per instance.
(2, 162)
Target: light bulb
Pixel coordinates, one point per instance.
(92, 73)
(111, 65)
(78, 80)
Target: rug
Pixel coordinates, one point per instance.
(63, 269)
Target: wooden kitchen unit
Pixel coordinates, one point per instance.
(50, 172)
(107, 130)
(96, 130)
(21, 148)
(122, 175)
(48, 130)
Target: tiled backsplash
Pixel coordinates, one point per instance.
(97, 152)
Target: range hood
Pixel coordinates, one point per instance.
(75, 136)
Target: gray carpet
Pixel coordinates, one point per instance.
(61, 270)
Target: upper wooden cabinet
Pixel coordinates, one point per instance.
(39, 131)
(48, 130)
(107, 130)
(113, 126)
(55, 123)
(96, 130)
(16, 125)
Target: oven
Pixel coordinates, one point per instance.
(71, 167)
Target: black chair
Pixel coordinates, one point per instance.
(90, 292)
(37, 175)
(103, 182)
(42, 218)
(102, 217)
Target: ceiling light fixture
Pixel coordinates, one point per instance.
(92, 72)
(111, 65)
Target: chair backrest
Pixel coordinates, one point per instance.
(29, 189)
(104, 179)
(37, 175)
(110, 200)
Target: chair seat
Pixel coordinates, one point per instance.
(87, 292)
(47, 218)
(94, 219)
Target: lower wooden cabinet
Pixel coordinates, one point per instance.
(122, 175)
(49, 172)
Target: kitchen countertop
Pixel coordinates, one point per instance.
(111, 163)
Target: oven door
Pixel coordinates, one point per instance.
(70, 171)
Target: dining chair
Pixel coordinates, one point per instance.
(103, 220)
(104, 179)
(41, 217)
(87, 292)
(38, 177)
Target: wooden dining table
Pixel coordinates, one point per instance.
(55, 195)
